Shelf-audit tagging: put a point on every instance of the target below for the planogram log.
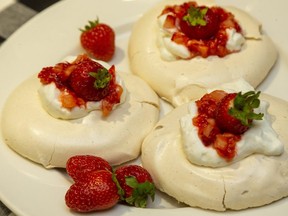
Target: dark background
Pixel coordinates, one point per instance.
(15, 15)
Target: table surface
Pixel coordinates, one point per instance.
(13, 14)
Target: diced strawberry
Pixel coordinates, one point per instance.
(225, 145)
(69, 101)
(55, 74)
(227, 20)
(208, 103)
(180, 38)
(223, 117)
(169, 22)
(113, 98)
(207, 129)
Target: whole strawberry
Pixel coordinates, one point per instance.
(79, 166)
(90, 80)
(137, 184)
(235, 112)
(97, 192)
(200, 23)
(98, 39)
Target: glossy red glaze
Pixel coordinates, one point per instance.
(208, 131)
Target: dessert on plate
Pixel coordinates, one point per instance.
(183, 47)
(59, 114)
(218, 163)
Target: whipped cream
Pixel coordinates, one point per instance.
(49, 95)
(259, 139)
(235, 40)
(170, 50)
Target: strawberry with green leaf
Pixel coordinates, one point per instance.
(90, 80)
(235, 112)
(136, 183)
(200, 23)
(98, 39)
(98, 187)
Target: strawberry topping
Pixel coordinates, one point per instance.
(83, 80)
(235, 112)
(201, 29)
(223, 117)
(90, 80)
(200, 23)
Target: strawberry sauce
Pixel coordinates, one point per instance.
(209, 39)
(208, 131)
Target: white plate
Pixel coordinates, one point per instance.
(30, 190)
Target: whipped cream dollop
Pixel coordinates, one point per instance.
(50, 98)
(235, 40)
(170, 50)
(259, 139)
